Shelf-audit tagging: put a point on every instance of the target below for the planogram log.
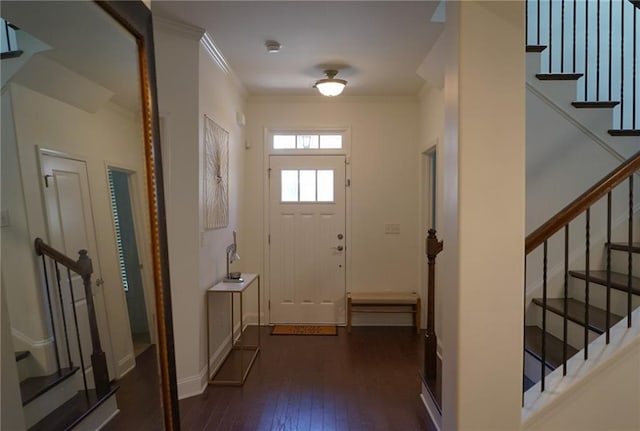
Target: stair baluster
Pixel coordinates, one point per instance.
(75, 320)
(63, 314)
(51, 315)
(630, 254)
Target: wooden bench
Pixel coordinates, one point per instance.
(384, 302)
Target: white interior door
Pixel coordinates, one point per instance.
(71, 228)
(307, 239)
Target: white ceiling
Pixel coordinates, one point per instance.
(376, 45)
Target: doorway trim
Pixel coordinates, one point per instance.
(268, 151)
(140, 215)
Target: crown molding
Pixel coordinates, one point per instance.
(219, 59)
(186, 30)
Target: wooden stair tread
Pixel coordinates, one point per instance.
(554, 346)
(536, 48)
(624, 246)
(72, 412)
(33, 387)
(599, 104)
(624, 132)
(575, 313)
(22, 354)
(618, 280)
(559, 76)
(11, 54)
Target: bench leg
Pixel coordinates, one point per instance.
(417, 315)
(348, 315)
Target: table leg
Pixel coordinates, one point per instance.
(208, 341)
(349, 314)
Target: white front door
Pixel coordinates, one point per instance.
(307, 239)
(71, 228)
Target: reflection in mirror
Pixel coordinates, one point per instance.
(74, 175)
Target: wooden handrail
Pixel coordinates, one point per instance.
(584, 201)
(43, 248)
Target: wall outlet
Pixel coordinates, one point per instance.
(392, 228)
(4, 218)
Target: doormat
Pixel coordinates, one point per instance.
(304, 330)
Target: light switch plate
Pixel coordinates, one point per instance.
(392, 228)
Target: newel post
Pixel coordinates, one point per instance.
(433, 247)
(98, 358)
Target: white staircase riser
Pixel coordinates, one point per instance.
(620, 259)
(555, 327)
(24, 368)
(598, 297)
(532, 368)
(37, 409)
(100, 416)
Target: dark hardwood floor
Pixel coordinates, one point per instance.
(367, 380)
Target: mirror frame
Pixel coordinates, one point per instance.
(136, 17)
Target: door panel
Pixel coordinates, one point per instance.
(307, 239)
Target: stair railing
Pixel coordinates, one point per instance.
(583, 206)
(596, 40)
(432, 248)
(84, 268)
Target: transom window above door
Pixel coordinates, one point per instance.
(306, 185)
(312, 141)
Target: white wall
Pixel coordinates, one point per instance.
(188, 89)
(220, 99)
(110, 135)
(177, 98)
(384, 183)
(484, 215)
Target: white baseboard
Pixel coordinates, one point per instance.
(429, 404)
(125, 365)
(195, 385)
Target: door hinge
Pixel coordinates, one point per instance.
(269, 239)
(347, 183)
(269, 172)
(269, 305)
(46, 180)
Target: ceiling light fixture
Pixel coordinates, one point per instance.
(272, 46)
(330, 86)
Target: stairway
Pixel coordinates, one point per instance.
(587, 81)
(54, 403)
(575, 316)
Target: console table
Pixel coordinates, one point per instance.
(232, 288)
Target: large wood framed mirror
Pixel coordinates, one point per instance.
(82, 169)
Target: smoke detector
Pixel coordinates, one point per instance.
(272, 46)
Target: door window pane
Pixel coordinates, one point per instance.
(306, 142)
(289, 184)
(330, 141)
(284, 142)
(307, 185)
(325, 186)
